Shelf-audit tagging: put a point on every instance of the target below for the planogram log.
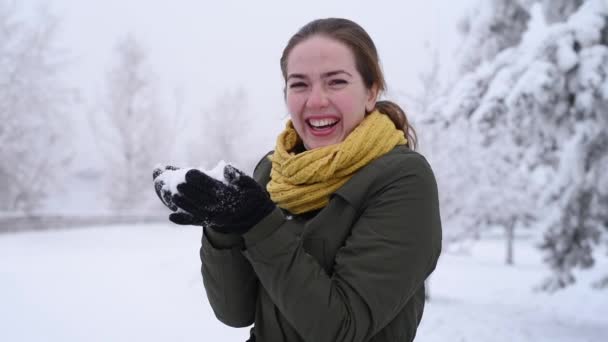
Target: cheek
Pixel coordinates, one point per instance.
(351, 107)
(351, 122)
(298, 124)
(294, 107)
(294, 104)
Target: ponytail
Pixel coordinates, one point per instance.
(397, 115)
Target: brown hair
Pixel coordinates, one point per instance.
(367, 61)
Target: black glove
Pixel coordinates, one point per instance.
(234, 207)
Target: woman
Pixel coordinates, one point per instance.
(333, 237)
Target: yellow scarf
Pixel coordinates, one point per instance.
(303, 182)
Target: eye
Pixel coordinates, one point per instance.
(337, 83)
(297, 85)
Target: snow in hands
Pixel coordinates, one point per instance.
(167, 178)
(223, 198)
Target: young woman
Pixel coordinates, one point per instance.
(333, 237)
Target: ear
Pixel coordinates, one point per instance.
(372, 97)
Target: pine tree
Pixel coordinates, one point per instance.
(541, 102)
(489, 28)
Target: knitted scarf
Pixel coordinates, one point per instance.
(303, 182)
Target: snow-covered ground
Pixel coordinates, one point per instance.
(133, 283)
(477, 297)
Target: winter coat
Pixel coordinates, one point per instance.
(352, 271)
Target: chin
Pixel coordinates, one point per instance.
(318, 144)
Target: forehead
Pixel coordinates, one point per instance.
(320, 54)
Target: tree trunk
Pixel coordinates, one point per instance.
(510, 237)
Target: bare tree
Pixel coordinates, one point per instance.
(131, 131)
(33, 106)
(431, 83)
(219, 131)
(430, 89)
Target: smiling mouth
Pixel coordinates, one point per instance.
(322, 124)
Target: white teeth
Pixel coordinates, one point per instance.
(322, 122)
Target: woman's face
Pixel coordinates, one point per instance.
(325, 94)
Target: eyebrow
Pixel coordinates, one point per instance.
(324, 75)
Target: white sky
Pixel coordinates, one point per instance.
(210, 46)
(206, 48)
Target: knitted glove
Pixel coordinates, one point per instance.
(163, 193)
(231, 207)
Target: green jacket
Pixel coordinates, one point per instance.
(352, 271)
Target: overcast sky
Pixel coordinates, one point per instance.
(206, 48)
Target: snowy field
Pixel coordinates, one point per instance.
(135, 283)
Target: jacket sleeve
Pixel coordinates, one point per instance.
(393, 247)
(229, 280)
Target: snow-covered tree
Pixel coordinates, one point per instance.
(131, 130)
(543, 102)
(429, 85)
(34, 102)
(565, 91)
(559, 10)
(482, 182)
(489, 28)
(452, 174)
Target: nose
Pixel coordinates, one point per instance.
(317, 98)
